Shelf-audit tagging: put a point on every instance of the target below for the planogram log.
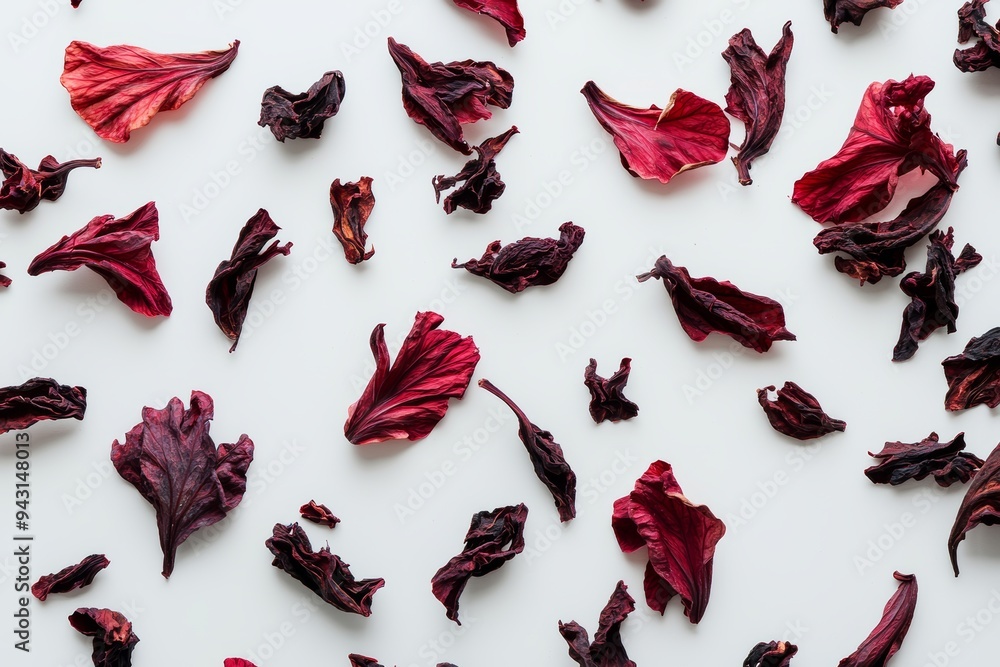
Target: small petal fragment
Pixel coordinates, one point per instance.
(352, 203)
(24, 188)
(358, 660)
(606, 650)
(4, 280)
(981, 504)
(974, 376)
(482, 181)
(607, 400)
(70, 578)
(945, 461)
(796, 413)
(237, 662)
(888, 635)
(852, 11)
(39, 399)
(504, 12)
(295, 116)
(771, 654)
(112, 633)
(317, 513)
(972, 23)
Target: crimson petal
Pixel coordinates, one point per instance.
(888, 635)
(981, 504)
(24, 188)
(796, 413)
(985, 53)
(482, 181)
(607, 400)
(852, 11)
(70, 578)
(352, 203)
(112, 633)
(237, 662)
(292, 116)
(504, 12)
(771, 654)
(945, 461)
(606, 650)
(317, 513)
(974, 376)
(39, 399)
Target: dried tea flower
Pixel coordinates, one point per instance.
(172, 461)
(888, 635)
(852, 11)
(39, 399)
(606, 650)
(112, 633)
(352, 203)
(796, 413)
(771, 654)
(118, 251)
(70, 578)
(482, 182)
(607, 400)
(118, 89)
(24, 188)
(4, 280)
(492, 540)
(528, 262)
(504, 12)
(295, 116)
(317, 513)
(408, 399)
(981, 504)
(972, 23)
(945, 461)
(974, 376)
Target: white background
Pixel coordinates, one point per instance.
(801, 563)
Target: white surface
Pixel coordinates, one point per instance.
(790, 571)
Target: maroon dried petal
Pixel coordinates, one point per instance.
(607, 400)
(852, 11)
(24, 188)
(528, 262)
(705, 305)
(358, 660)
(681, 538)
(771, 654)
(974, 376)
(317, 513)
(352, 203)
(607, 649)
(75, 3)
(237, 662)
(118, 251)
(112, 633)
(972, 23)
(482, 181)
(294, 116)
(322, 572)
(933, 293)
(492, 540)
(757, 93)
(888, 635)
(796, 413)
(408, 399)
(39, 399)
(981, 504)
(504, 12)
(172, 461)
(546, 457)
(70, 578)
(228, 293)
(4, 280)
(444, 96)
(901, 461)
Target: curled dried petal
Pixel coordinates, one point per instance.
(70, 578)
(112, 633)
(504, 12)
(888, 635)
(796, 413)
(607, 400)
(294, 116)
(974, 375)
(606, 650)
(352, 203)
(981, 504)
(945, 461)
(482, 181)
(39, 399)
(771, 654)
(317, 513)
(972, 23)
(4, 280)
(852, 11)
(24, 188)
(237, 662)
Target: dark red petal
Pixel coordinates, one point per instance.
(118, 251)
(408, 399)
(607, 400)
(606, 650)
(237, 662)
(771, 654)
(945, 461)
(4, 280)
(24, 188)
(974, 376)
(886, 638)
(292, 116)
(118, 89)
(70, 578)
(504, 12)
(75, 3)
(852, 11)
(317, 513)
(981, 504)
(796, 413)
(972, 23)
(112, 633)
(358, 660)
(482, 181)
(39, 399)
(352, 203)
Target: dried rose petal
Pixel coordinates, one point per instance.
(528, 262)
(317, 513)
(118, 251)
(493, 539)
(688, 133)
(70, 578)
(546, 457)
(118, 89)
(228, 293)
(112, 633)
(607, 400)
(39, 399)
(852, 11)
(891, 136)
(981, 504)
(933, 293)
(237, 662)
(771, 654)
(888, 635)
(504, 12)
(444, 96)
(172, 461)
(680, 535)
(409, 398)
(295, 116)
(902, 461)
(705, 305)
(352, 204)
(24, 188)
(757, 93)
(482, 181)
(974, 376)
(796, 413)
(4, 280)
(322, 572)
(985, 53)
(607, 649)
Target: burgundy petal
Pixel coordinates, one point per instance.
(771, 654)
(112, 633)
(39, 399)
(317, 513)
(409, 398)
(888, 635)
(237, 662)
(972, 23)
(546, 457)
(492, 540)
(852, 11)
(482, 181)
(945, 461)
(172, 461)
(606, 650)
(352, 203)
(4, 280)
(358, 660)
(974, 376)
(294, 116)
(24, 188)
(607, 400)
(796, 413)
(504, 12)
(981, 504)
(118, 251)
(70, 578)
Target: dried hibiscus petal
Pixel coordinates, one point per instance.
(118, 251)
(228, 293)
(237, 662)
(985, 53)
(705, 305)
(888, 635)
(317, 513)
(352, 203)
(796, 413)
(757, 93)
(118, 89)
(112, 633)
(24, 188)
(4, 280)
(493, 539)
(680, 536)
(70, 578)
(981, 504)
(322, 572)
(607, 400)
(606, 650)
(504, 12)
(292, 116)
(358, 660)
(409, 398)
(528, 262)
(688, 133)
(771, 654)
(444, 96)
(852, 11)
(39, 399)
(172, 461)
(546, 457)
(482, 181)
(945, 461)
(974, 376)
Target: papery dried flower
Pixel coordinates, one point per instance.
(237, 662)
(352, 203)
(852, 11)
(606, 650)
(888, 635)
(295, 116)
(972, 23)
(112, 633)
(796, 413)
(482, 181)
(70, 578)
(981, 504)
(771, 654)
(317, 513)
(974, 376)
(4, 280)
(945, 461)
(504, 12)
(39, 399)
(24, 188)
(607, 400)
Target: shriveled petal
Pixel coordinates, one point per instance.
(112, 633)
(972, 23)
(39, 399)
(318, 513)
(771, 654)
(974, 375)
(352, 203)
(981, 504)
(482, 184)
(70, 578)
(24, 188)
(607, 400)
(504, 12)
(796, 413)
(852, 11)
(945, 461)
(607, 649)
(302, 115)
(888, 635)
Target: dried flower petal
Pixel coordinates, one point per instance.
(172, 461)
(112, 633)
(607, 400)
(237, 662)
(680, 535)
(493, 539)
(4, 280)
(70, 578)
(888, 635)
(322, 572)
(228, 293)
(118, 251)
(546, 457)
(688, 133)
(358, 660)
(985, 53)
(528, 262)
(75, 3)
(796, 413)
(295, 116)
(607, 649)
(981, 504)
(317, 513)
(901, 461)
(771, 654)
(504, 12)
(352, 204)
(482, 181)
(408, 399)
(974, 376)
(852, 11)
(39, 399)
(24, 188)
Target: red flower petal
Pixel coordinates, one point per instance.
(974, 376)
(39, 399)
(317, 513)
(946, 461)
(292, 116)
(482, 181)
(606, 650)
(852, 11)
(981, 504)
(118, 89)
(409, 398)
(886, 638)
(352, 203)
(4, 280)
(985, 53)
(24, 188)
(771, 654)
(689, 132)
(607, 400)
(504, 12)
(112, 633)
(796, 413)
(237, 662)
(358, 660)
(70, 578)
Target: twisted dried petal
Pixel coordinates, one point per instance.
(607, 400)
(504, 12)
(888, 635)
(70, 578)
(606, 650)
(352, 203)
(318, 513)
(482, 181)
(796, 413)
(945, 461)
(771, 654)
(24, 188)
(39, 399)
(112, 633)
(972, 23)
(302, 115)
(974, 375)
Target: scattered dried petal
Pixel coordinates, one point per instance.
(888, 635)
(771, 654)
(237, 662)
(852, 11)
(981, 504)
(4, 280)
(974, 376)
(607, 400)
(295, 116)
(112, 633)
(796, 413)
(901, 461)
(70, 578)
(352, 203)
(607, 649)
(39, 399)
(504, 12)
(482, 181)
(317, 513)
(358, 660)
(24, 188)
(985, 53)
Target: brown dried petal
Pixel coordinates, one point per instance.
(607, 400)
(796, 413)
(482, 181)
(292, 116)
(901, 461)
(39, 399)
(352, 204)
(70, 578)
